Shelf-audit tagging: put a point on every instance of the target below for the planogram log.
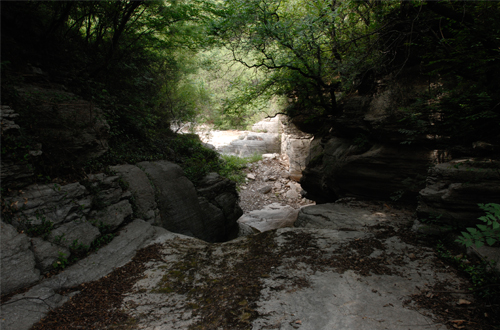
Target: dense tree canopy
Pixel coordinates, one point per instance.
(312, 51)
(148, 63)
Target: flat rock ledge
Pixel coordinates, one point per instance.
(367, 276)
(24, 310)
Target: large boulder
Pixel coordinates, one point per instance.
(219, 201)
(380, 171)
(18, 261)
(178, 202)
(142, 191)
(454, 189)
(271, 217)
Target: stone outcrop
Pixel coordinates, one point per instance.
(177, 199)
(18, 261)
(218, 200)
(50, 202)
(74, 233)
(25, 309)
(73, 216)
(268, 125)
(60, 218)
(251, 143)
(369, 151)
(273, 216)
(17, 167)
(295, 144)
(344, 169)
(115, 214)
(142, 191)
(454, 190)
(71, 130)
(46, 253)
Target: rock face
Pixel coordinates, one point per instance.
(18, 261)
(218, 200)
(16, 169)
(344, 169)
(142, 191)
(58, 218)
(115, 214)
(338, 217)
(71, 129)
(271, 217)
(209, 213)
(368, 151)
(177, 199)
(268, 125)
(455, 188)
(253, 143)
(73, 216)
(51, 202)
(46, 253)
(27, 308)
(295, 144)
(74, 233)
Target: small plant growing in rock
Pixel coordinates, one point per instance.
(61, 262)
(59, 239)
(78, 250)
(40, 230)
(488, 233)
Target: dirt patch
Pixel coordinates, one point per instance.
(97, 304)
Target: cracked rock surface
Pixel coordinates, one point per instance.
(369, 274)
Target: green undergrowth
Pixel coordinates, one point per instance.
(232, 166)
(484, 277)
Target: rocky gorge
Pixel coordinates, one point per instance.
(209, 256)
(353, 203)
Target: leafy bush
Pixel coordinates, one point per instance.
(489, 232)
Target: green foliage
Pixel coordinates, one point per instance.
(61, 262)
(196, 160)
(101, 241)
(59, 239)
(232, 167)
(78, 250)
(42, 230)
(488, 233)
(433, 219)
(305, 49)
(483, 274)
